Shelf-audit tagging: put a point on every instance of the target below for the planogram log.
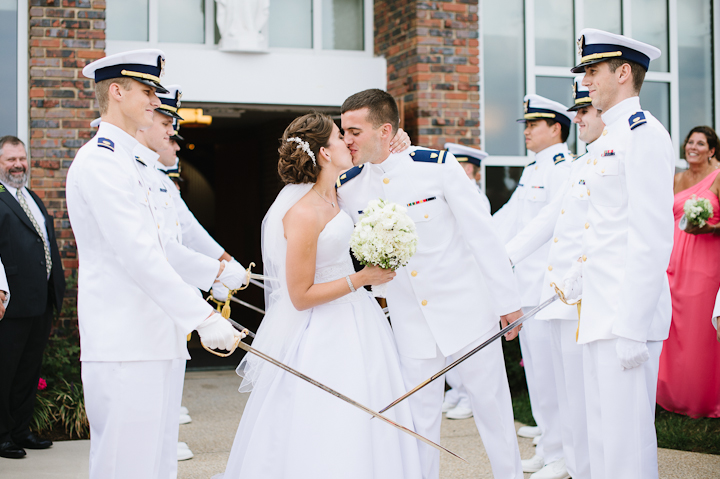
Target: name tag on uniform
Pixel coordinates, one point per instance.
(164, 190)
(421, 201)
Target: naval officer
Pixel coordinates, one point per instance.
(547, 127)
(562, 222)
(626, 247)
(458, 284)
(134, 310)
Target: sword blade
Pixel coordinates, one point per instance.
(247, 305)
(497, 335)
(338, 395)
(261, 277)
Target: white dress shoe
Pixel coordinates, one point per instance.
(184, 410)
(184, 419)
(183, 445)
(536, 440)
(184, 454)
(529, 431)
(447, 405)
(554, 470)
(459, 412)
(534, 464)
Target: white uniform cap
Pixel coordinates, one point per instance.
(145, 66)
(95, 123)
(170, 101)
(596, 46)
(466, 154)
(581, 94)
(538, 107)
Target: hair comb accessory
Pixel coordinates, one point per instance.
(305, 147)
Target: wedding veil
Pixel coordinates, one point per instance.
(282, 323)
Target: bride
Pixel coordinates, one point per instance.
(321, 321)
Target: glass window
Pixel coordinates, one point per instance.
(655, 98)
(181, 21)
(291, 23)
(9, 61)
(554, 39)
(343, 25)
(560, 90)
(127, 20)
(603, 15)
(504, 76)
(695, 64)
(500, 184)
(650, 25)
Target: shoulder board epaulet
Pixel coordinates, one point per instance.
(531, 163)
(559, 158)
(349, 175)
(106, 143)
(429, 156)
(137, 158)
(636, 120)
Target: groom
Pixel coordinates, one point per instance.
(449, 297)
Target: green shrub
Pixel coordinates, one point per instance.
(61, 406)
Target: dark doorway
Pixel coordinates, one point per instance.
(230, 173)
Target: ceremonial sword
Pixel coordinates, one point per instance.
(500, 333)
(315, 383)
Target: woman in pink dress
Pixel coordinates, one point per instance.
(689, 377)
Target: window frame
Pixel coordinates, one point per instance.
(23, 73)
(533, 71)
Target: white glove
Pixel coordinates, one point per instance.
(631, 353)
(572, 282)
(217, 333)
(233, 277)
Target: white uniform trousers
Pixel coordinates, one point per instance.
(621, 412)
(126, 404)
(485, 381)
(536, 345)
(169, 452)
(456, 394)
(567, 358)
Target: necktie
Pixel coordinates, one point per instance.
(23, 204)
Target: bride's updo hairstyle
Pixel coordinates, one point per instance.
(295, 164)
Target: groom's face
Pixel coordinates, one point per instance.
(363, 140)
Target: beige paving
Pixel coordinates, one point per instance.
(216, 407)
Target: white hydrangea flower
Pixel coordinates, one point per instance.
(698, 210)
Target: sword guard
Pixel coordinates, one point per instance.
(561, 295)
(223, 355)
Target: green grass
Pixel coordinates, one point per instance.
(674, 431)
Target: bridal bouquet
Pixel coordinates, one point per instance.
(384, 236)
(697, 212)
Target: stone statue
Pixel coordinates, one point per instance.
(243, 25)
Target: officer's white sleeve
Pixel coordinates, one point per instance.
(4, 284)
(193, 234)
(649, 169)
(109, 190)
(716, 310)
(194, 268)
(539, 231)
(477, 228)
(505, 219)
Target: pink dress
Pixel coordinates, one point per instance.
(689, 376)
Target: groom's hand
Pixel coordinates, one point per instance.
(511, 318)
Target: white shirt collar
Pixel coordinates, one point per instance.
(622, 110)
(118, 136)
(148, 156)
(12, 189)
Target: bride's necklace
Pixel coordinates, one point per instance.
(323, 198)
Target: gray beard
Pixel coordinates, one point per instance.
(14, 181)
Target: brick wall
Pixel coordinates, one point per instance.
(65, 35)
(432, 54)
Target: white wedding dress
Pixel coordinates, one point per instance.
(293, 430)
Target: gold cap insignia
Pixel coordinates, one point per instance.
(161, 61)
(580, 45)
(574, 90)
(526, 105)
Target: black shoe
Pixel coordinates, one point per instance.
(11, 450)
(32, 441)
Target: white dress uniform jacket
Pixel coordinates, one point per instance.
(193, 233)
(629, 235)
(132, 305)
(459, 281)
(4, 285)
(560, 224)
(541, 181)
(194, 268)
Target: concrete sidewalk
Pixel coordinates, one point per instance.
(216, 408)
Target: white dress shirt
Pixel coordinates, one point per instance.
(34, 208)
(4, 285)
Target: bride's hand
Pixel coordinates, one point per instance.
(400, 142)
(373, 275)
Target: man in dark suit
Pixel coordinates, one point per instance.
(35, 277)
